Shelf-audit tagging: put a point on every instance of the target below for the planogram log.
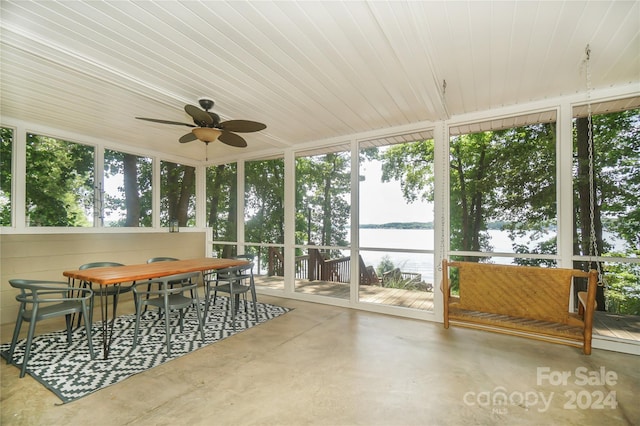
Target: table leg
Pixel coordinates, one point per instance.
(107, 325)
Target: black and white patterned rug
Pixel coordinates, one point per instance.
(70, 373)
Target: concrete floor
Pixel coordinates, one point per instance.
(326, 365)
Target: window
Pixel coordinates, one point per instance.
(264, 214)
(396, 221)
(264, 201)
(323, 217)
(127, 190)
(6, 174)
(222, 200)
(59, 182)
(177, 194)
(607, 202)
(503, 189)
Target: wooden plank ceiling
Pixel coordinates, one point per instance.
(311, 71)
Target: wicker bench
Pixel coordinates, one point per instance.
(525, 301)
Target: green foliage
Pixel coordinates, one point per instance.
(385, 265)
(177, 194)
(323, 188)
(412, 165)
(623, 288)
(264, 201)
(134, 199)
(59, 182)
(6, 156)
(222, 196)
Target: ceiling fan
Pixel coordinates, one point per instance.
(208, 128)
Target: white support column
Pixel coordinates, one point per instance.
(355, 222)
(155, 192)
(441, 213)
(240, 178)
(19, 194)
(98, 187)
(564, 187)
(289, 220)
(201, 196)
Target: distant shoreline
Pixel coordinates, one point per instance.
(418, 225)
(399, 225)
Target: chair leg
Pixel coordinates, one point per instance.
(67, 320)
(87, 327)
(137, 326)
(254, 298)
(182, 312)
(207, 298)
(199, 316)
(148, 289)
(27, 347)
(232, 298)
(92, 304)
(16, 333)
(167, 325)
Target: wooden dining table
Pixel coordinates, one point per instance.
(116, 275)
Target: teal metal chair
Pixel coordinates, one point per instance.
(42, 300)
(235, 281)
(109, 290)
(161, 294)
(162, 259)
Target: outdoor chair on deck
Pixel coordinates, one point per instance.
(48, 299)
(163, 259)
(235, 281)
(168, 298)
(107, 290)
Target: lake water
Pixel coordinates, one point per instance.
(413, 239)
(420, 239)
(423, 239)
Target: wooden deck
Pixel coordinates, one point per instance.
(368, 293)
(625, 327)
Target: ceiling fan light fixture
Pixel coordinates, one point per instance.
(206, 134)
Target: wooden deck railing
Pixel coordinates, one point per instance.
(314, 267)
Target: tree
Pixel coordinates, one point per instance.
(59, 182)
(134, 197)
(6, 151)
(222, 205)
(616, 201)
(323, 185)
(178, 193)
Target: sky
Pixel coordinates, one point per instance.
(383, 202)
(379, 202)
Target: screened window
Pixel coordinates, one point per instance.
(127, 190)
(222, 200)
(607, 203)
(60, 181)
(323, 216)
(264, 201)
(6, 175)
(177, 194)
(396, 232)
(323, 205)
(503, 189)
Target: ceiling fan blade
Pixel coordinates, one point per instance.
(232, 139)
(155, 120)
(189, 137)
(215, 117)
(199, 116)
(242, 126)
